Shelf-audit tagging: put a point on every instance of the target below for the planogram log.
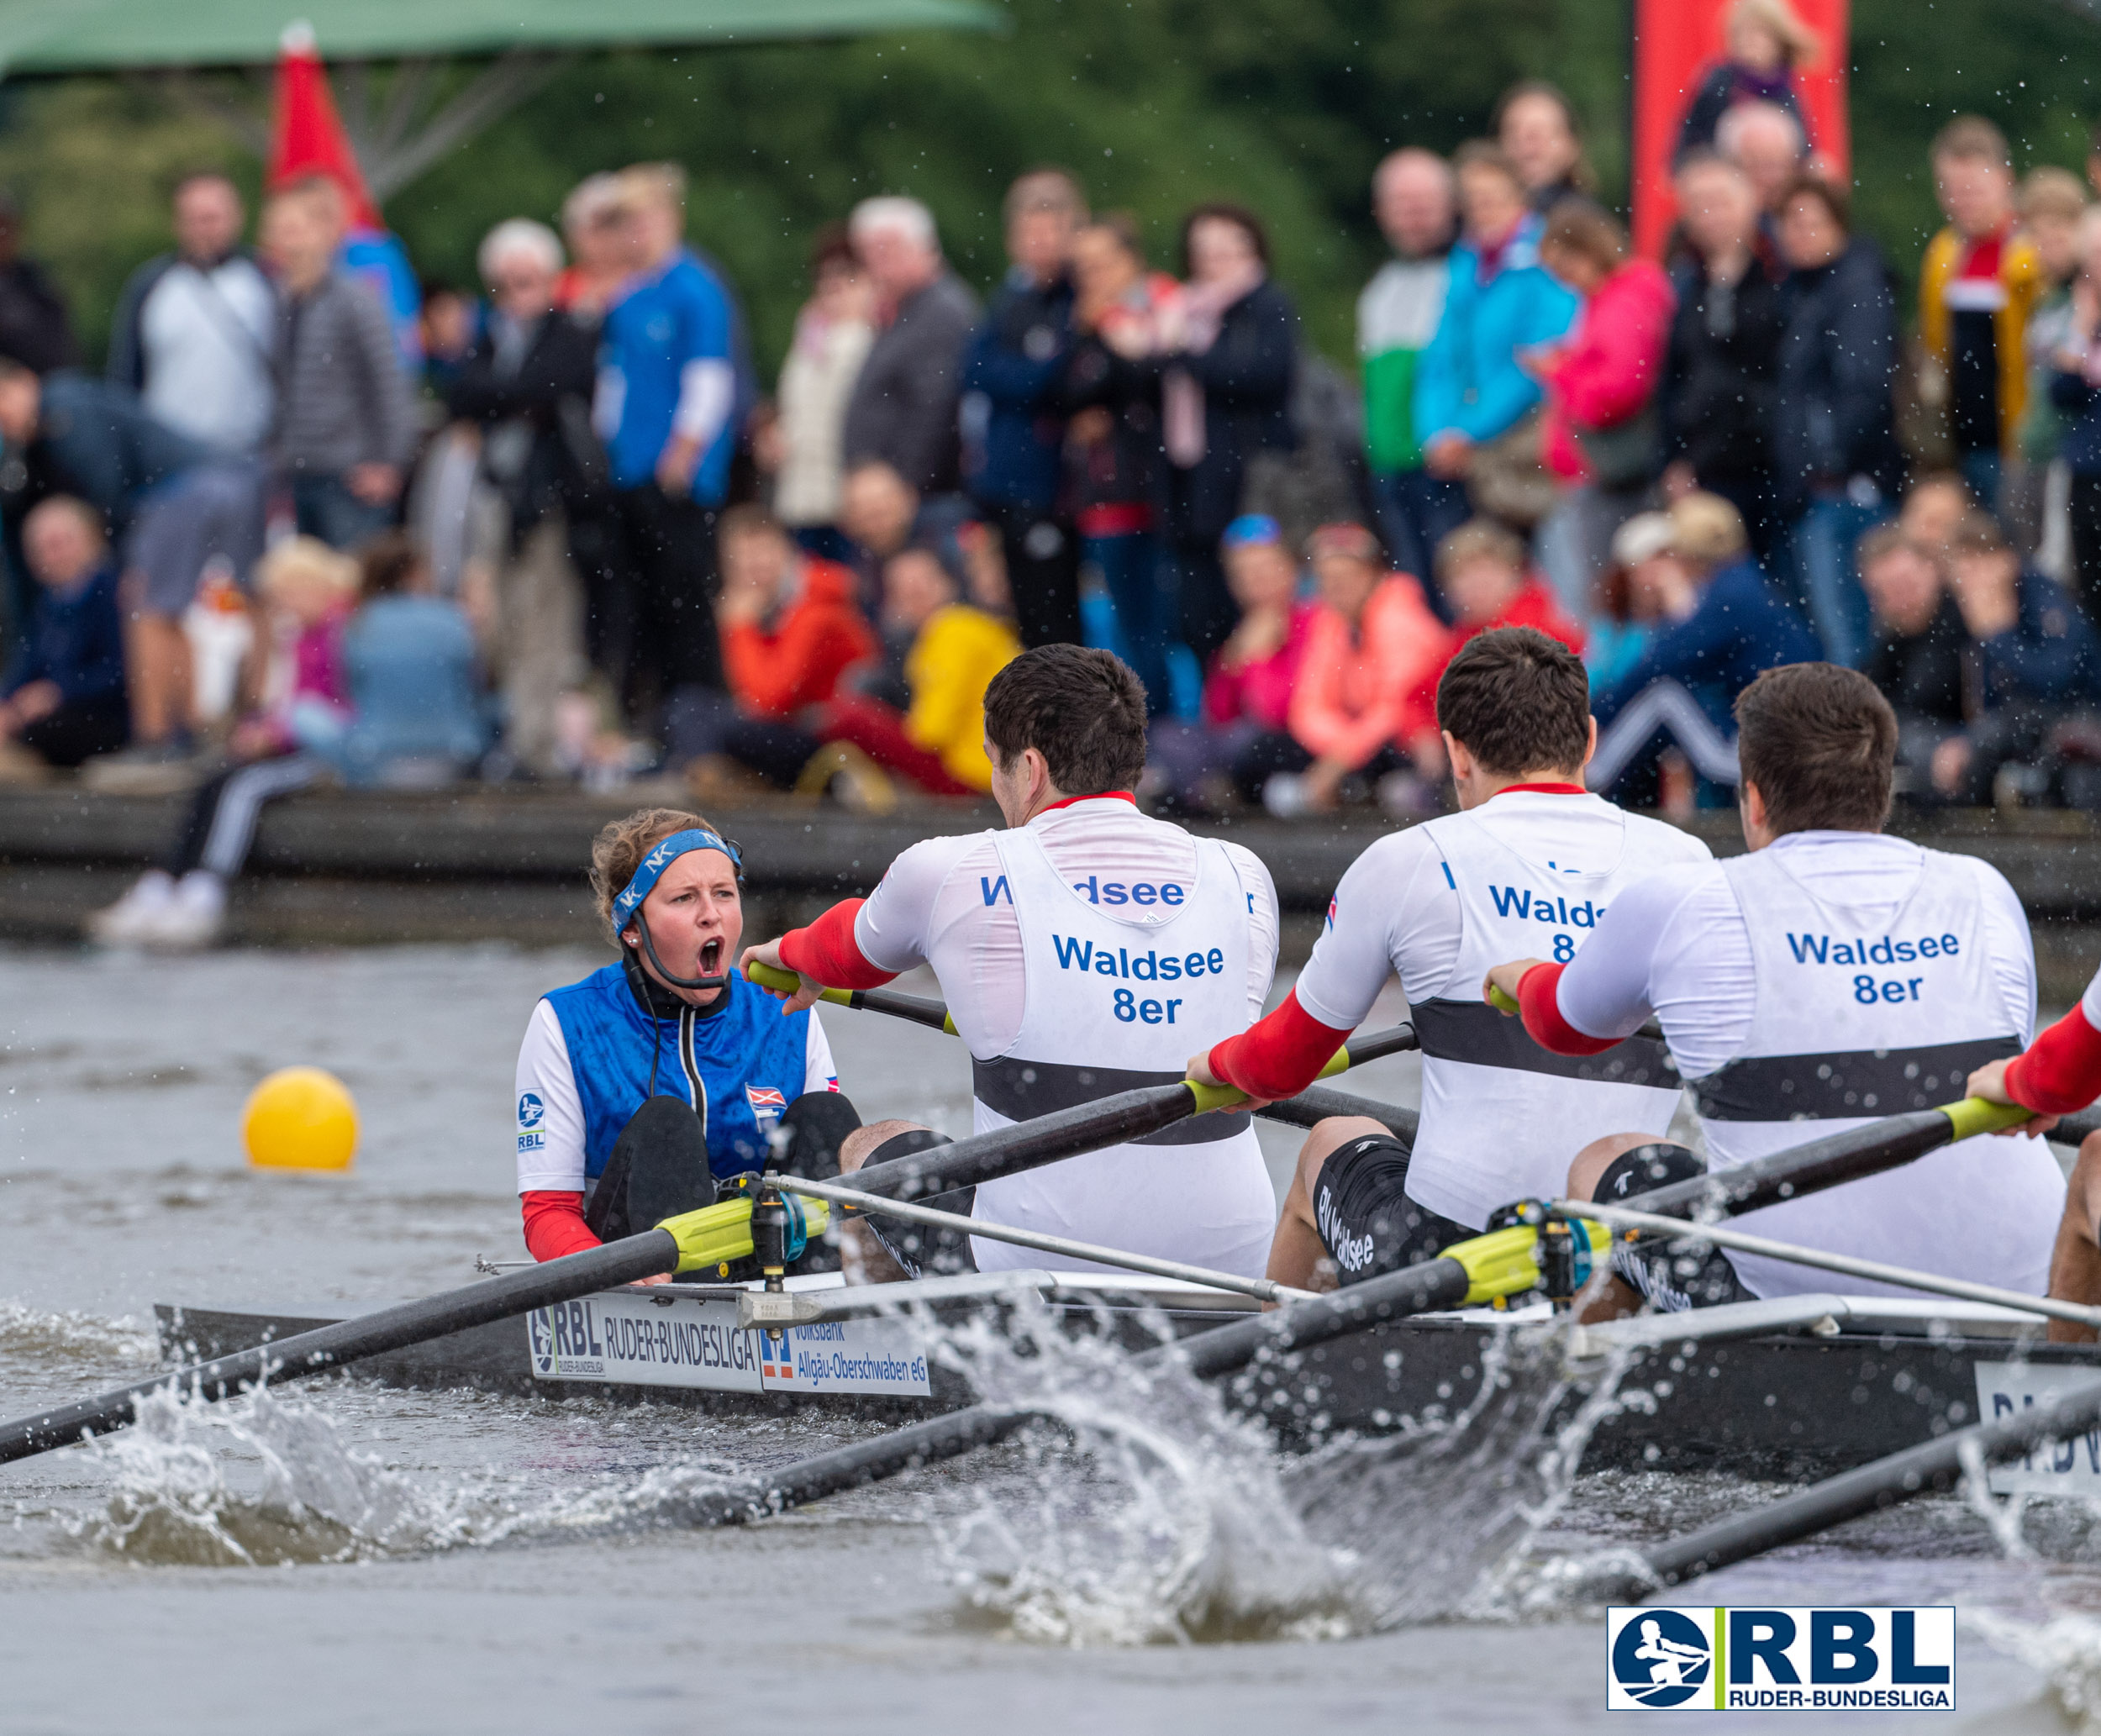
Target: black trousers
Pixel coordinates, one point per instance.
(80, 731)
(651, 586)
(2086, 542)
(1043, 571)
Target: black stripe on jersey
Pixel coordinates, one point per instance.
(1021, 1090)
(1473, 1031)
(1833, 1087)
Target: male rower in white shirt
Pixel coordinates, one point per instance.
(1081, 952)
(1831, 976)
(1530, 859)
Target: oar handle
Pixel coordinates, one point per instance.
(1974, 1115)
(920, 1011)
(1502, 1003)
(1350, 1055)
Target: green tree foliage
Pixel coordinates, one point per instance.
(1284, 105)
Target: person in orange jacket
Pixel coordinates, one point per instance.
(1372, 639)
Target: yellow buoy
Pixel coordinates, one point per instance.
(300, 1118)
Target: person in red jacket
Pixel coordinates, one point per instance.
(2058, 1073)
(1599, 431)
(787, 620)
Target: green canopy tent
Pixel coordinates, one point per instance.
(421, 114)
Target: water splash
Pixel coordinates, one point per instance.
(268, 1480)
(1154, 1515)
(2066, 1651)
(176, 1499)
(28, 1335)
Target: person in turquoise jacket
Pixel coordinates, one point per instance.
(1469, 387)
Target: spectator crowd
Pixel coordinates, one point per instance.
(304, 527)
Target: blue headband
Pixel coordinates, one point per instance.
(652, 867)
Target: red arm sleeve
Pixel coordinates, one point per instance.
(825, 952)
(555, 1225)
(1279, 1057)
(2062, 1070)
(1542, 1011)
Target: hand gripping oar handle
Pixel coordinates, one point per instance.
(918, 1009)
(348, 1341)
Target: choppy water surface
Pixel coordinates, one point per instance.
(343, 1557)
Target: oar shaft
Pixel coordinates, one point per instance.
(1807, 1168)
(1262, 1289)
(1317, 1104)
(348, 1341)
(1619, 1218)
(1030, 1145)
(1219, 1351)
(1901, 1476)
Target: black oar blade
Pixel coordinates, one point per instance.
(348, 1341)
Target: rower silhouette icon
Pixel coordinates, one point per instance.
(1660, 1659)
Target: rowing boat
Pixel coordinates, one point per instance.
(1789, 1388)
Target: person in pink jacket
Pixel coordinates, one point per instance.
(1247, 691)
(1353, 718)
(1599, 433)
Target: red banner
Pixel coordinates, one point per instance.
(1677, 43)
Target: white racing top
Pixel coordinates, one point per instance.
(1093, 951)
(1528, 873)
(1830, 979)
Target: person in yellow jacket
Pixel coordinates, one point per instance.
(955, 650)
(1980, 282)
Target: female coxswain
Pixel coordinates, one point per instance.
(653, 1079)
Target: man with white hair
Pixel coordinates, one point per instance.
(528, 377)
(903, 411)
(1416, 203)
(1766, 142)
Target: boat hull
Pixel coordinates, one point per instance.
(1783, 1405)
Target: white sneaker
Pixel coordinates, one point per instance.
(130, 920)
(194, 917)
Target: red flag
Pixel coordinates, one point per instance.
(306, 135)
(1676, 42)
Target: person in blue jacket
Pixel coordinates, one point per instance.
(653, 1079)
(2031, 657)
(1470, 385)
(1013, 413)
(1725, 624)
(666, 409)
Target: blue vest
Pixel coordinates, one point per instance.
(739, 1067)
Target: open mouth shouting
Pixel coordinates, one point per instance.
(711, 956)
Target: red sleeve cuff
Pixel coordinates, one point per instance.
(554, 1224)
(825, 951)
(1280, 1056)
(2062, 1070)
(1539, 1004)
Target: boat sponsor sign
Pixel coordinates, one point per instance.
(1661, 1658)
(2072, 1467)
(633, 1340)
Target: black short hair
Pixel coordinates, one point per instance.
(1083, 710)
(1519, 701)
(1820, 743)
